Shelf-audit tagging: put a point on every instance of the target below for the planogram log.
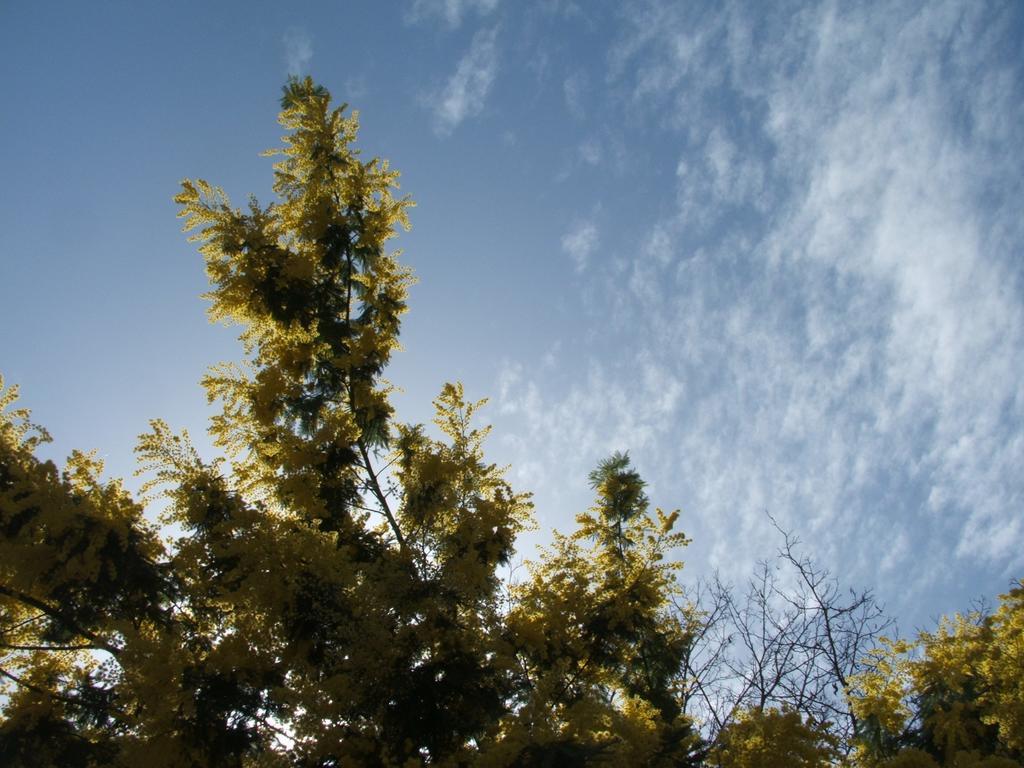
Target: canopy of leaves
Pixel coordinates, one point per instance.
(331, 590)
(953, 697)
(332, 593)
(773, 737)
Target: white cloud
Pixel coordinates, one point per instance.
(298, 51)
(550, 359)
(590, 152)
(356, 87)
(467, 89)
(830, 324)
(580, 242)
(452, 12)
(573, 88)
(734, 175)
(892, 202)
(562, 438)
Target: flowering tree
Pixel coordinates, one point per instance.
(333, 597)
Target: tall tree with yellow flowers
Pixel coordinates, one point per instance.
(953, 697)
(332, 597)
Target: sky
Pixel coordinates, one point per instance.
(775, 251)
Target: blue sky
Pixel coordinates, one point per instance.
(775, 253)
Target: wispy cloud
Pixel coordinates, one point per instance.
(833, 308)
(590, 152)
(452, 12)
(298, 51)
(466, 90)
(573, 88)
(356, 87)
(563, 437)
(580, 242)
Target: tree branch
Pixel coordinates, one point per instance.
(382, 498)
(86, 647)
(70, 700)
(68, 622)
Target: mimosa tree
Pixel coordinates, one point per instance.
(334, 596)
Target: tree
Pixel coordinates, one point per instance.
(332, 597)
(953, 697)
(601, 651)
(772, 737)
(329, 593)
(789, 644)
